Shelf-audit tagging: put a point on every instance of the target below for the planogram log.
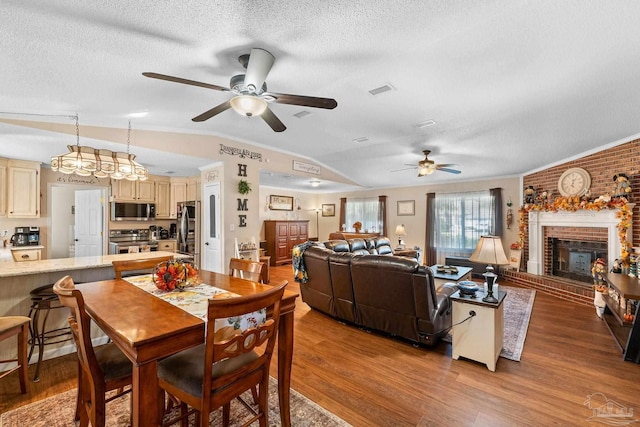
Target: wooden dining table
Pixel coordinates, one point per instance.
(147, 328)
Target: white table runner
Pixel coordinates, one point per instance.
(194, 300)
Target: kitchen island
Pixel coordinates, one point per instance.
(17, 279)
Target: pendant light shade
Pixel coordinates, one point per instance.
(87, 161)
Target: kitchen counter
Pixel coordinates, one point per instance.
(10, 268)
(17, 279)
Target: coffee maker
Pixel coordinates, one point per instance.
(34, 236)
(21, 237)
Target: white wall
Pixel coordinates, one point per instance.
(416, 225)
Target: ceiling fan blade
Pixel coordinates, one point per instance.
(305, 101)
(185, 81)
(404, 169)
(449, 170)
(273, 121)
(260, 63)
(212, 112)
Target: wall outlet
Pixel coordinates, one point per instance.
(5, 233)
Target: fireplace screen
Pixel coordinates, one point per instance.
(573, 259)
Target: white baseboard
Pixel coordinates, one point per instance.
(52, 353)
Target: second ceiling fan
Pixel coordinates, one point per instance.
(428, 166)
(250, 91)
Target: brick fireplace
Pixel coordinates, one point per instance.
(584, 226)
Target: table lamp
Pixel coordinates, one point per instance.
(489, 251)
(400, 231)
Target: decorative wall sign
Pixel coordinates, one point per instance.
(280, 203)
(241, 152)
(306, 167)
(211, 176)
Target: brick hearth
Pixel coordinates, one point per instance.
(570, 290)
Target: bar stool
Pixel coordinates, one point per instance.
(43, 300)
(11, 326)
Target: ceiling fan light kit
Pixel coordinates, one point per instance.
(250, 91)
(248, 105)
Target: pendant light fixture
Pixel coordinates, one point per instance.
(87, 161)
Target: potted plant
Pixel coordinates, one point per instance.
(244, 187)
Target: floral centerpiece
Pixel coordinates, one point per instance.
(175, 274)
(357, 226)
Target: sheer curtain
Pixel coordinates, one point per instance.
(459, 219)
(366, 210)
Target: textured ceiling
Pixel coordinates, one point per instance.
(511, 85)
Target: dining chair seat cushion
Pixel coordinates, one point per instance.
(113, 362)
(10, 322)
(184, 370)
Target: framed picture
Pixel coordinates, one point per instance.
(280, 203)
(515, 255)
(406, 207)
(329, 210)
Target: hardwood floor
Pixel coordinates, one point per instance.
(368, 379)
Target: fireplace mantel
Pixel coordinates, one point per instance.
(605, 218)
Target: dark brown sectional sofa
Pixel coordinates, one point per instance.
(359, 281)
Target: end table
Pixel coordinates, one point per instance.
(480, 337)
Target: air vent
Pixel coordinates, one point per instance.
(360, 140)
(382, 89)
(301, 114)
(426, 124)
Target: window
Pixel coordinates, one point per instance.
(459, 221)
(368, 211)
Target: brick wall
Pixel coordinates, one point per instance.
(602, 166)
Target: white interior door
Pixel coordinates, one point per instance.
(89, 223)
(211, 229)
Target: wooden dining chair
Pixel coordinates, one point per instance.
(17, 326)
(211, 375)
(138, 264)
(247, 269)
(100, 370)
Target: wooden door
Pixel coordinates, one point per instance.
(24, 192)
(163, 199)
(283, 252)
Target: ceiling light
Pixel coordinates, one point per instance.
(314, 182)
(248, 105)
(139, 114)
(86, 161)
(425, 170)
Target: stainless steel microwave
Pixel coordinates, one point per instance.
(132, 211)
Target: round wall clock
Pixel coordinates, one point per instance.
(574, 182)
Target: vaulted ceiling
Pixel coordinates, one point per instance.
(497, 87)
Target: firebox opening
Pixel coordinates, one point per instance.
(573, 259)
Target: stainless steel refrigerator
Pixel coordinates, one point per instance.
(189, 230)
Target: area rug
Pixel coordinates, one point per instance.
(58, 411)
(517, 310)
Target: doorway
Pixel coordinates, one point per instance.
(77, 211)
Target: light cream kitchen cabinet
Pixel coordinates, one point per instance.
(123, 190)
(193, 188)
(23, 189)
(167, 245)
(178, 194)
(3, 187)
(163, 199)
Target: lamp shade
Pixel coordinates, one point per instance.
(489, 251)
(400, 231)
